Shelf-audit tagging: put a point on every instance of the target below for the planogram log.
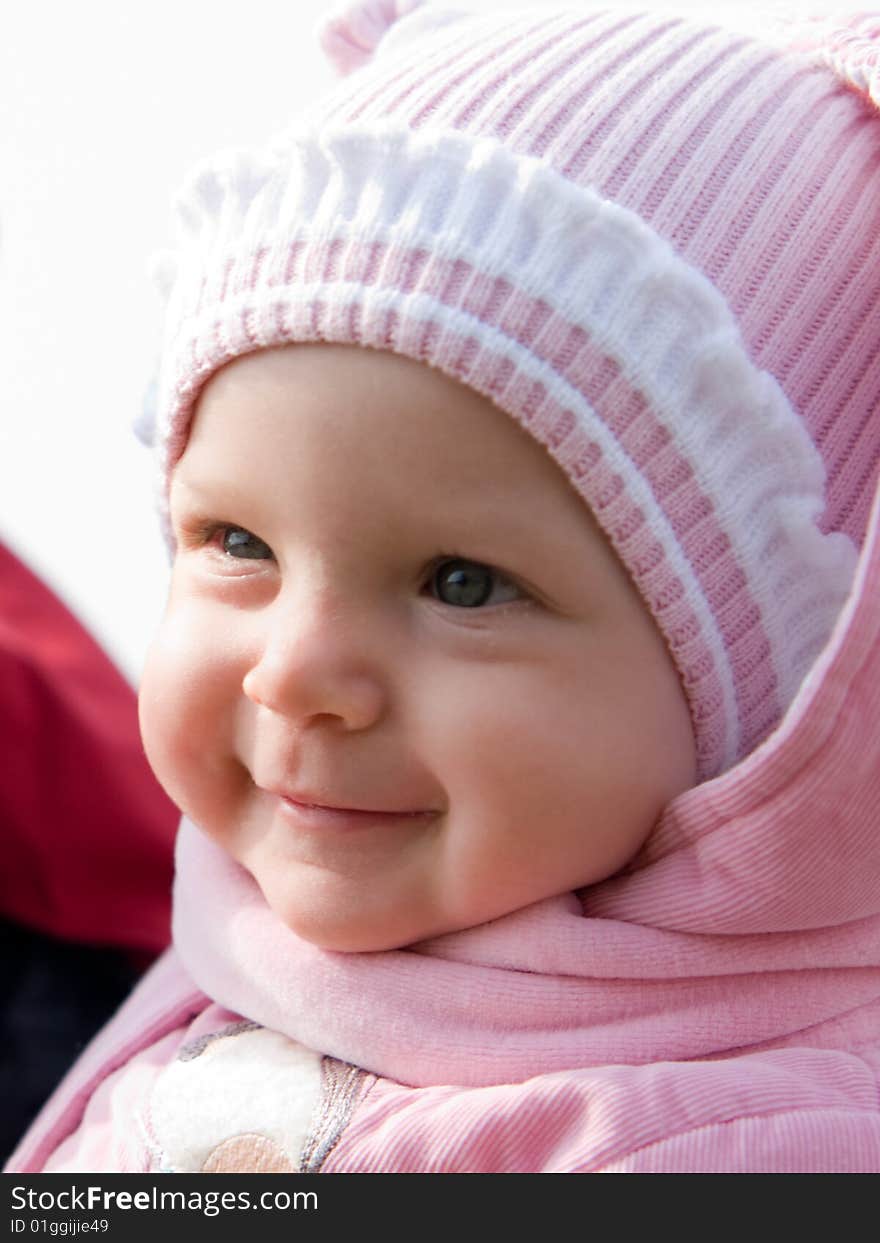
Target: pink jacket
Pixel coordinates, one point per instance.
(714, 1007)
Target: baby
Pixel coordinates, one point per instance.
(518, 433)
(402, 678)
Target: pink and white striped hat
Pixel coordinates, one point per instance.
(653, 241)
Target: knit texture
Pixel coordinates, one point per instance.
(653, 242)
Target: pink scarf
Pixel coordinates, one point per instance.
(750, 920)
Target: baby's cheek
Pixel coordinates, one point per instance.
(159, 710)
(181, 712)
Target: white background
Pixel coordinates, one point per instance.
(104, 107)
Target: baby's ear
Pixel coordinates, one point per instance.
(351, 35)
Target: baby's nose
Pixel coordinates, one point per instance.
(318, 663)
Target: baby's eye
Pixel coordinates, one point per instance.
(237, 542)
(469, 585)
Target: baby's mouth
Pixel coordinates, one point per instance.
(343, 809)
(323, 817)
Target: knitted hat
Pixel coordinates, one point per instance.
(654, 242)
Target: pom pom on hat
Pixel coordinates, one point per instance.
(350, 36)
(849, 44)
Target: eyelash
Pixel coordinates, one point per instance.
(499, 577)
(203, 534)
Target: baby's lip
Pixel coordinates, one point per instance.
(303, 798)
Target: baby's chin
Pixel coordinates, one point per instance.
(329, 922)
(364, 929)
(351, 937)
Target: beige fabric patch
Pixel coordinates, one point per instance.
(248, 1154)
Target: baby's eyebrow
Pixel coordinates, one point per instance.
(213, 497)
(201, 487)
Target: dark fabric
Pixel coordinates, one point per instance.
(56, 995)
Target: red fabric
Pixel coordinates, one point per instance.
(87, 832)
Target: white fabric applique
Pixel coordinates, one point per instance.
(240, 1100)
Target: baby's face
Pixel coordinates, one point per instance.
(401, 678)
